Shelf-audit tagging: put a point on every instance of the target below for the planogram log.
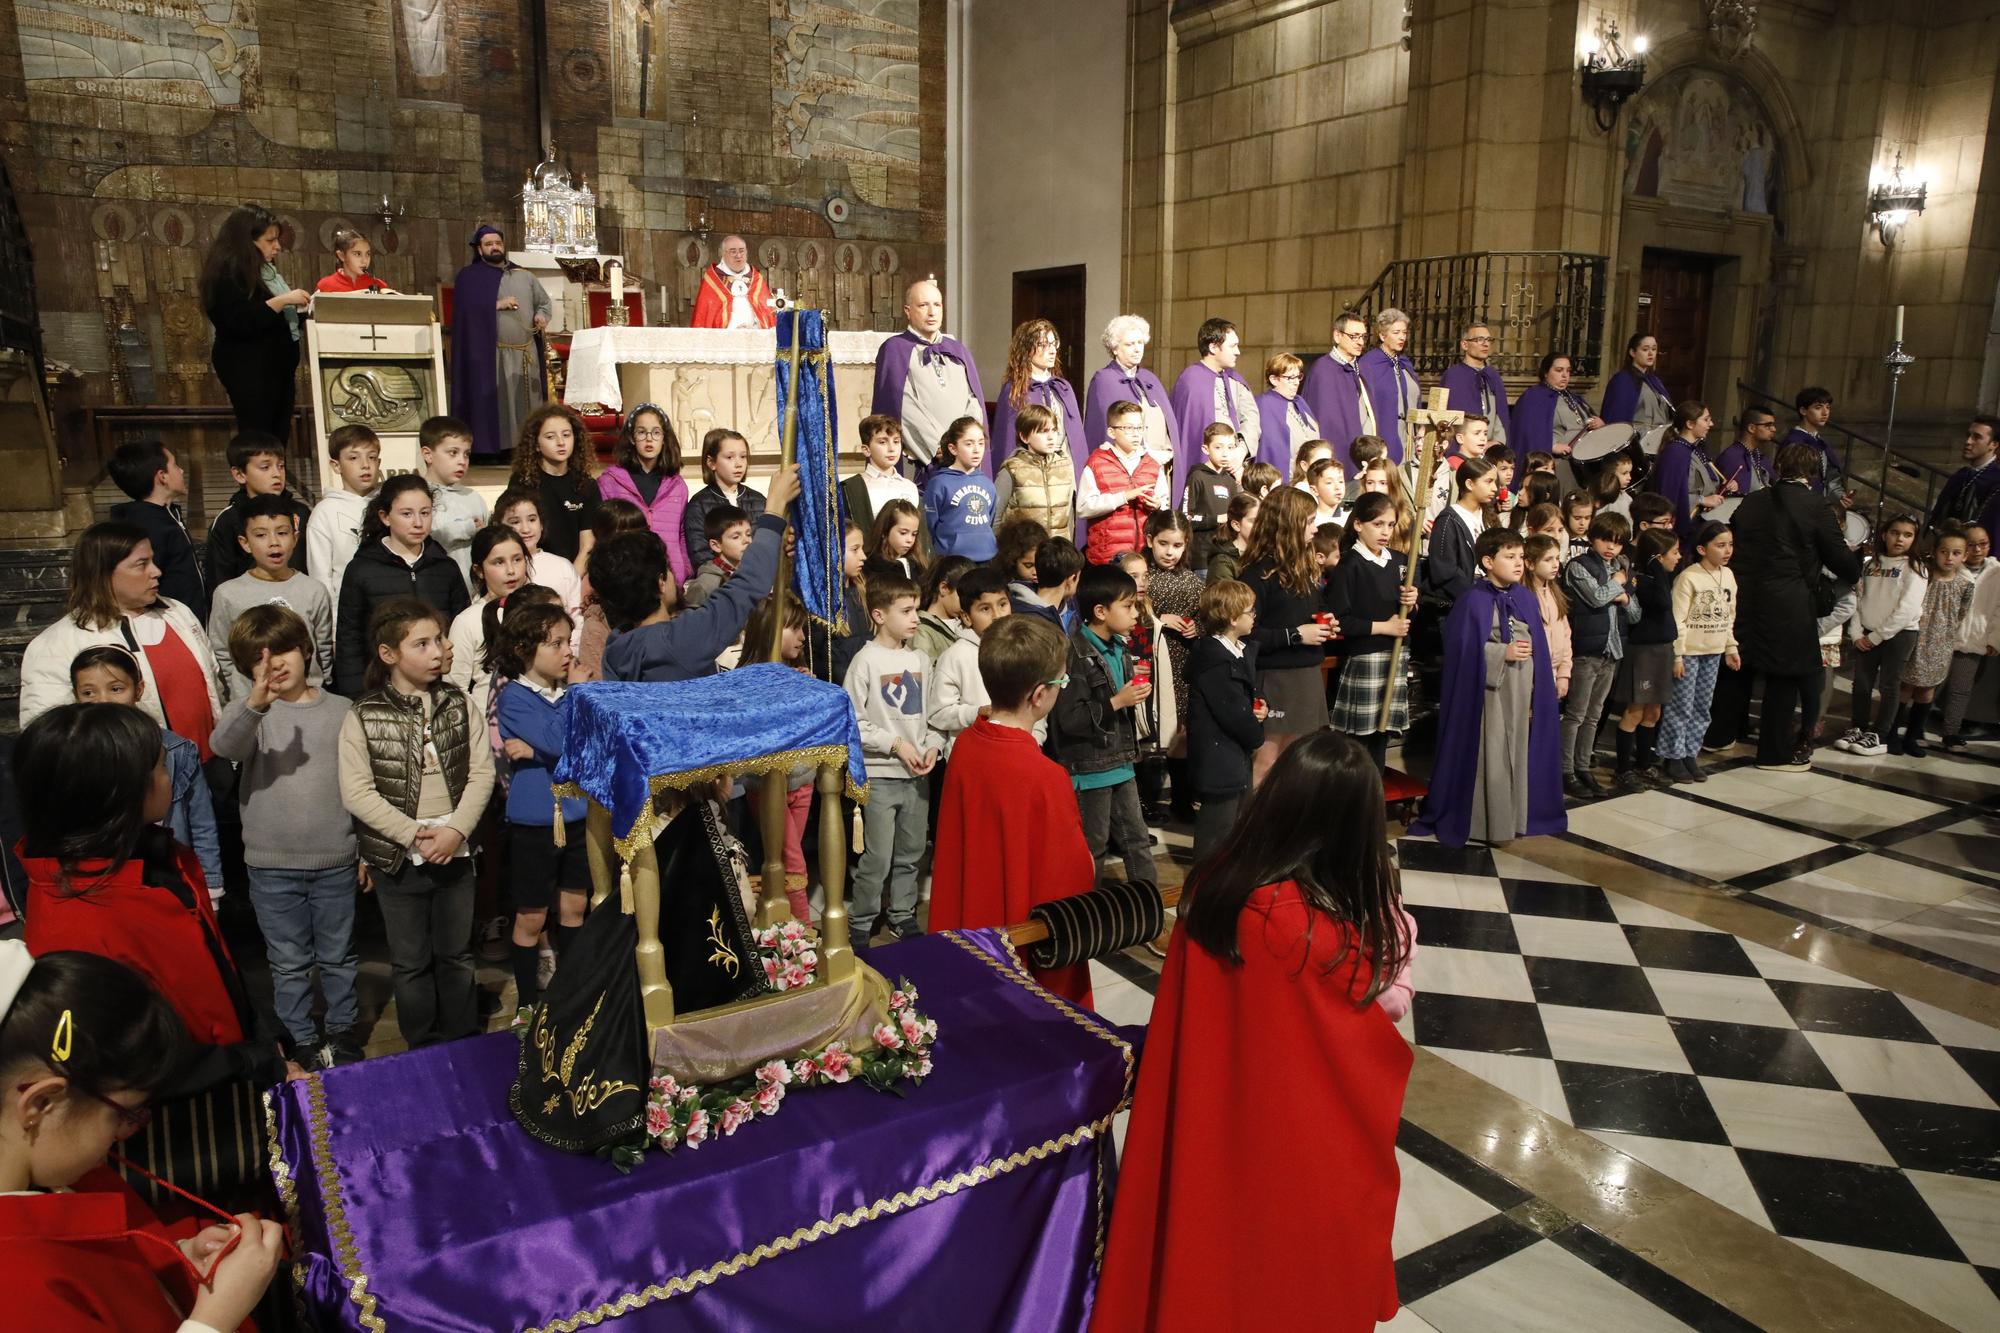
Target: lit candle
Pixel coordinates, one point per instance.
(1899, 323)
(618, 293)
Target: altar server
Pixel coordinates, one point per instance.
(1211, 390)
(733, 295)
(498, 313)
(924, 377)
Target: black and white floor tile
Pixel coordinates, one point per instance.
(1859, 1124)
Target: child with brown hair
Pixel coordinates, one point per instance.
(1225, 553)
(1037, 479)
(1259, 478)
(554, 462)
(1645, 675)
(893, 542)
(1542, 554)
(1947, 600)
(725, 462)
(1225, 714)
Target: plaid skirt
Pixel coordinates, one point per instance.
(1357, 706)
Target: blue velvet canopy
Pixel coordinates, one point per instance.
(627, 740)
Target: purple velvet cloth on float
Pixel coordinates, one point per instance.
(416, 1200)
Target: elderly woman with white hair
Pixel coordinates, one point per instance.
(1124, 380)
(1390, 380)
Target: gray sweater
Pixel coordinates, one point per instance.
(302, 593)
(293, 818)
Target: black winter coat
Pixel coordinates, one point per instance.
(226, 557)
(173, 552)
(1280, 612)
(1222, 726)
(374, 576)
(1784, 535)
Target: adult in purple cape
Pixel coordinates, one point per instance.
(1334, 391)
(1125, 380)
(1973, 492)
(1476, 385)
(925, 378)
(1284, 420)
(1490, 785)
(498, 313)
(1208, 391)
(1636, 394)
(1390, 380)
(1549, 414)
(1034, 375)
(1750, 461)
(1685, 475)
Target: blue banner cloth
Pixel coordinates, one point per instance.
(820, 516)
(625, 740)
(976, 1202)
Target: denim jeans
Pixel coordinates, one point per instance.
(307, 918)
(1113, 823)
(894, 824)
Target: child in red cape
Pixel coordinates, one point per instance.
(1278, 995)
(84, 1041)
(1009, 832)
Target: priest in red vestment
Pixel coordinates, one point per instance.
(733, 295)
(1273, 1009)
(1009, 832)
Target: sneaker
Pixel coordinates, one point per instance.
(1587, 780)
(1954, 745)
(905, 929)
(1657, 777)
(1575, 790)
(545, 968)
(310, 1055)
(1849, 739)
(340, 1052)
(1628, 779)
(494, 938)
(1867, 743)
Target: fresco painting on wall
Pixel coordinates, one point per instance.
(1699, 140)
(639, 56)
(200, 54)
(423, 47)
(845, 82)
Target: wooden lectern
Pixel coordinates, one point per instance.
(375, 360)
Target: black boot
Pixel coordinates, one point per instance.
(1628, 773)
(1649, 761)
(1913, 734)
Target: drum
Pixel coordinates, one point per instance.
(1650, 441)
(1601, 443)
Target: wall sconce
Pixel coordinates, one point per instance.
(1893, 202)
(1611, 75)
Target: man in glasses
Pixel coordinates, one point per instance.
(1475, 385)
(1333, 389)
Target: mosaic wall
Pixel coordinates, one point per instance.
(131, 127)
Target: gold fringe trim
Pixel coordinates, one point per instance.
(288, 1195)
(649, 822)
(831, 1226)
(345, 1253)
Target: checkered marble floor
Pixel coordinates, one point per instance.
(1859, 1124)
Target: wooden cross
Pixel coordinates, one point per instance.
(1442, 424)
(373, 338)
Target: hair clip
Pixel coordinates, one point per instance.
(59, 1048)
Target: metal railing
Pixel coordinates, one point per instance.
(1895, 478)
(1534, 301)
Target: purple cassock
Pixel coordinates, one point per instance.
(1387, 380)
(1053, 393)
(1829, 461)
(1287, 424)
(1481, 390)
(1621, 396)
(1749, 468)
(1193, 412)
(1113, 383)
(1533, 419)
(1333, 387)
(927, 386)
(475, 390)
(1447, 812)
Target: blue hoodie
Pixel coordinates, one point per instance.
(685, 648)
(958, 510)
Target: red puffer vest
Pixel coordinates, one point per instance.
(1124, 528)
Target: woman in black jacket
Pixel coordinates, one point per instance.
(256, 315)
(1785, 535)
(397, 558)
(1291, 636)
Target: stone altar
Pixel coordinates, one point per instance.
(711, 377)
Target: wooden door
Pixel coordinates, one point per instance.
(1055, 294)
(1675, 289)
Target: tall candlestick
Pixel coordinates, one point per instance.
(618, 286)
(1899, 323)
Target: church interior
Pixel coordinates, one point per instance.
(1719, 1055)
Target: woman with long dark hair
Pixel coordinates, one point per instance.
(1279, 997)
(1035, 375)
(257, 319)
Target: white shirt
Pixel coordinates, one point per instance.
(1379, 561)
(741, 316)
(1235, 646)
(884, 485)
(1094, 503)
